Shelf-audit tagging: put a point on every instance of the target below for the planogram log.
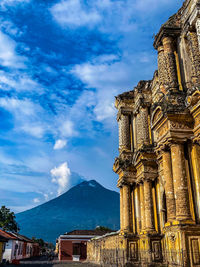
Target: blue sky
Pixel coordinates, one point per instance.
(61, 64)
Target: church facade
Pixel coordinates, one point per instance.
(159, 156)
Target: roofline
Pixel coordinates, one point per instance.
(76, 236)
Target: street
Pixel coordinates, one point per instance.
(44, 262)
(55, 264)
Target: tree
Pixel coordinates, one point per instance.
(103, 228)
(7, 220)
(40, 241)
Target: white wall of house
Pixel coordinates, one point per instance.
(17, 252)
(14, 250)
(7, 255)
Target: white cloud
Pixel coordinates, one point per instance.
(8, 55)
(67, 128)
(72, 13)
(19, 82)
(60, 144)
(34, 130)
(109, 16)
(61, 176)
(7, 3)
(27, 116)
(18, 106)
(109, 77)
(9, 27)
(36, 200)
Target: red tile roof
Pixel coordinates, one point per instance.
(23, 238)
(7, 235)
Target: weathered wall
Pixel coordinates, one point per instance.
(108, 250)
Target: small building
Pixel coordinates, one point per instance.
(25, 247)
(10, 249)
(3, 241)
(73, 245)
(18, 247)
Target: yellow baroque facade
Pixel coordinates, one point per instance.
(159, 156)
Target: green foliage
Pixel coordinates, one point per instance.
(103, 228)
(7, 220)
(40, 241)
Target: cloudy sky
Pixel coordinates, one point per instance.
(61, 64)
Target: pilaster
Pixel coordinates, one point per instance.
(180, 183)
(137, 209)
(169, 187)
(148, 206)
(126, 208)
(121, 210)
(142, 208)
(195, 157)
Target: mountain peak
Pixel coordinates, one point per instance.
(83, 207)
(91, 183)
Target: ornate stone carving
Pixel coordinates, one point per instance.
(162, 70)
(195, 57)
(198, 31)
(178, 125)
(124, 133)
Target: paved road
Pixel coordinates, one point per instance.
(43, 262)
(55, 264)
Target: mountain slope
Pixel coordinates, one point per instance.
(84, 206)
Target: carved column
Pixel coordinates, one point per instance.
(134, 132)
(195, 57)
(198, 30)
(121, 210)
(124, 133)
(195, 155)
(126, 208)
(180, 183)
(139, 130)
(142, 125)
(142, 208)
(148, 203)
(133, 211)
(169, 187)
(145, 125)
(162, 71)
(170, 61)
(137, 209)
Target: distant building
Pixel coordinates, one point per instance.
(73, 245)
